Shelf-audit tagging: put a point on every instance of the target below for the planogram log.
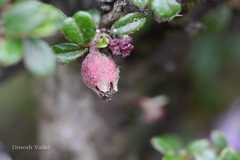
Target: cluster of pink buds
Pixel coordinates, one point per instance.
(121, 46)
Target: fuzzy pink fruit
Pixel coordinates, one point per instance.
(100, 73)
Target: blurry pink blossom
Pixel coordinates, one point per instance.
(152, 107)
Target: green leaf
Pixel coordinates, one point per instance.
(32, 18)
(140, 3)
(102, 42)
(51, 24)
(86, 24)
(72, 32)
(39, 57)
(199, 146)
(201, 150)
(11, 52)
(71, 56)
(229, 154)
(65, 47)
(166, 144)
(68, 52)
(166, 10)
(173, 157)
(128, 24)
(218, 140)
(22, 18)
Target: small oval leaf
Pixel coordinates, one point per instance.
(72, 32)
(140, 3)
(39, 57)
(165, 10)
(167, 144)
(201, 150)
(51, 24)
(11, 52)
(32, 18)
(22, 18)
(65, 47)
(218, 140)
(86, 25)
(173, 157)
(229, 154)
(70, 56)
(128, 24)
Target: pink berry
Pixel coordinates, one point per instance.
(100, 73)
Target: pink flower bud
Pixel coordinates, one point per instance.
(114, 46)
(121, 46)
(100, 73)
